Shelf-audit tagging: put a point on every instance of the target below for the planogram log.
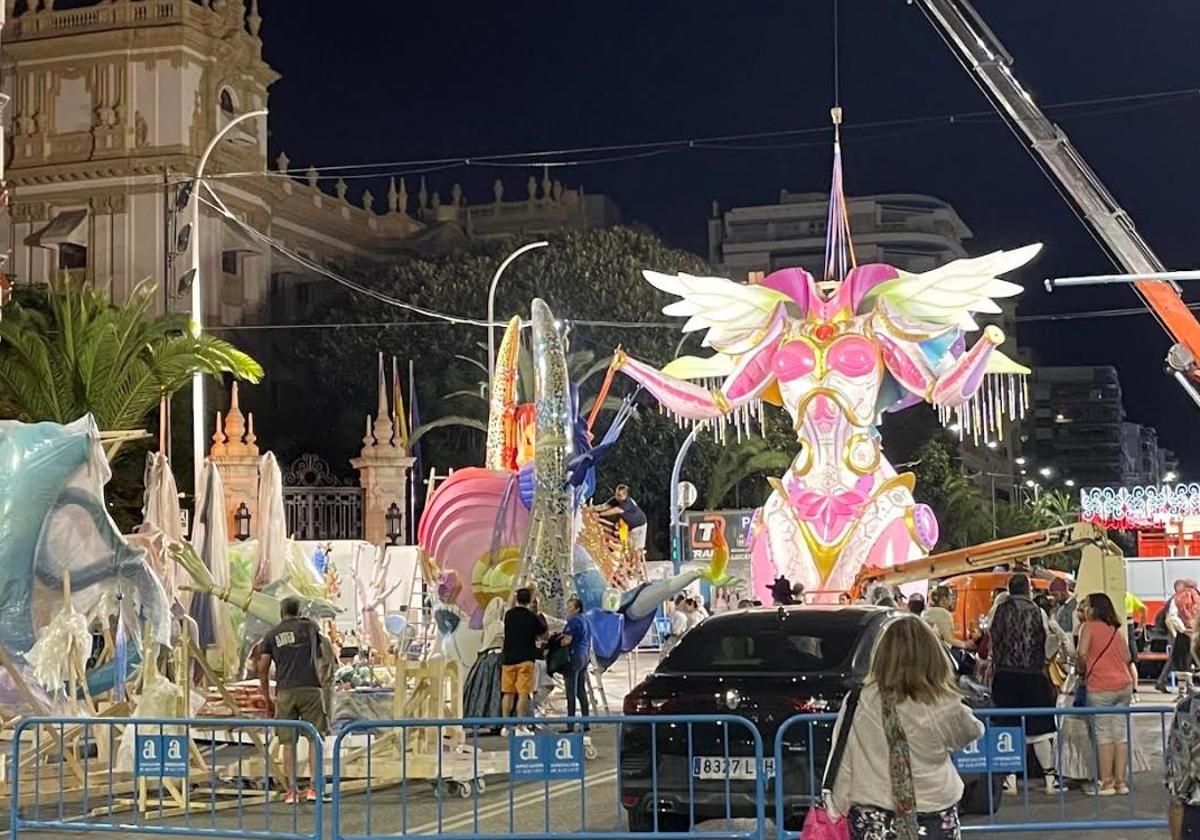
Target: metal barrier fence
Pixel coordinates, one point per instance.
(674, 775)
(998, 772)
(204, 777)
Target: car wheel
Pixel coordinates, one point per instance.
(975, 796)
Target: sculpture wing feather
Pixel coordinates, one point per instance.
(733, 313)
(949, 294)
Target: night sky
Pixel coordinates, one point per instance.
(390, 81)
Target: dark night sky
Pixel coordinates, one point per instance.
(386, 81)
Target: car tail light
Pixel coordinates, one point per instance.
(639, 702)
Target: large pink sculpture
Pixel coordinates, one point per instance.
(835, 355)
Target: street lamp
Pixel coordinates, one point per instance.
(197, 312)
(491, 312)
(392, 518)
(241, 518)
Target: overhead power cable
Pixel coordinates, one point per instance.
(612, 153)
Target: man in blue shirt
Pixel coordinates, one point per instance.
(578, 637)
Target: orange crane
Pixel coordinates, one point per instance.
(1101, 568)
(984, 57)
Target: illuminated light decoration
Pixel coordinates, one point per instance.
(1138, 508)
(835, 354)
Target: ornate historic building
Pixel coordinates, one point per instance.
(112, 105)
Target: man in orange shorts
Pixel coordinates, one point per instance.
(522, 629)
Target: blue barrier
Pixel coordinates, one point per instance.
(143, 775)
(1132, 812)
(670, 774)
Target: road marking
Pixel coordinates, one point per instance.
(498, 808)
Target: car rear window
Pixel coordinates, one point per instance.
(720, 647)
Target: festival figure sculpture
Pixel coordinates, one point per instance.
(834, 356)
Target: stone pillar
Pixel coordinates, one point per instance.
(383, 469)
(235, 452)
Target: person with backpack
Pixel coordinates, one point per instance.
(1021, 646)
(891, 773)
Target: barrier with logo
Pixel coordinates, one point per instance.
(675, 775)
(1004, 787)
(206, 777)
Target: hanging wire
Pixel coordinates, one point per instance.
(837, 63)
(537, 159)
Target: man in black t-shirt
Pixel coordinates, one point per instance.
(627, 510)
(522, 629)
(294, 645)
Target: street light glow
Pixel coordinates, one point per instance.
(1021, 461)
(1070, 482)
(1029, 482)
(1046, 472)
(1170, 476)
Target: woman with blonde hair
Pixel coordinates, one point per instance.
(896, 778)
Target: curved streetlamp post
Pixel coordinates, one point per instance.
(491, 309)
(197, 285)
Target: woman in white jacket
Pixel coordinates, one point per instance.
(896, 780)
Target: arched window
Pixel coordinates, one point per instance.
(227, 109)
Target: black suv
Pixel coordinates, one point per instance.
(765, 665)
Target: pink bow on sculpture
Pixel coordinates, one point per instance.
(829, 513)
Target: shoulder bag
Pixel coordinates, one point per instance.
(819, 824)
(1081, 700)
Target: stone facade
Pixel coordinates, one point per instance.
(112, 106)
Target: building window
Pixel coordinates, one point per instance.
(230, 263)
(71, 257)
(302, 294)
(227, 109)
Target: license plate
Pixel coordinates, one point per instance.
(734, 767)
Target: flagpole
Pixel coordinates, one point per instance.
(412, 473)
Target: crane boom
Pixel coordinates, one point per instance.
(982, 54)
(1009, 551)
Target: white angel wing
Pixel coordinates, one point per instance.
(733, 313)
(949, 294)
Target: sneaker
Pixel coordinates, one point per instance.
(523, 730)
(1010, 783)
(310, 795)
(291, 798)
(1053, 785)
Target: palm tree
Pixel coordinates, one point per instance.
(753, 455)
(71, 353)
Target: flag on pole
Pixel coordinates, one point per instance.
(417, 473)
(400, 421)
(414, 418)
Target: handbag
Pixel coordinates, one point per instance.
(818, 823)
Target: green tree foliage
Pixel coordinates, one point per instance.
(584, 276)
(65, 352)
(73, 353)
